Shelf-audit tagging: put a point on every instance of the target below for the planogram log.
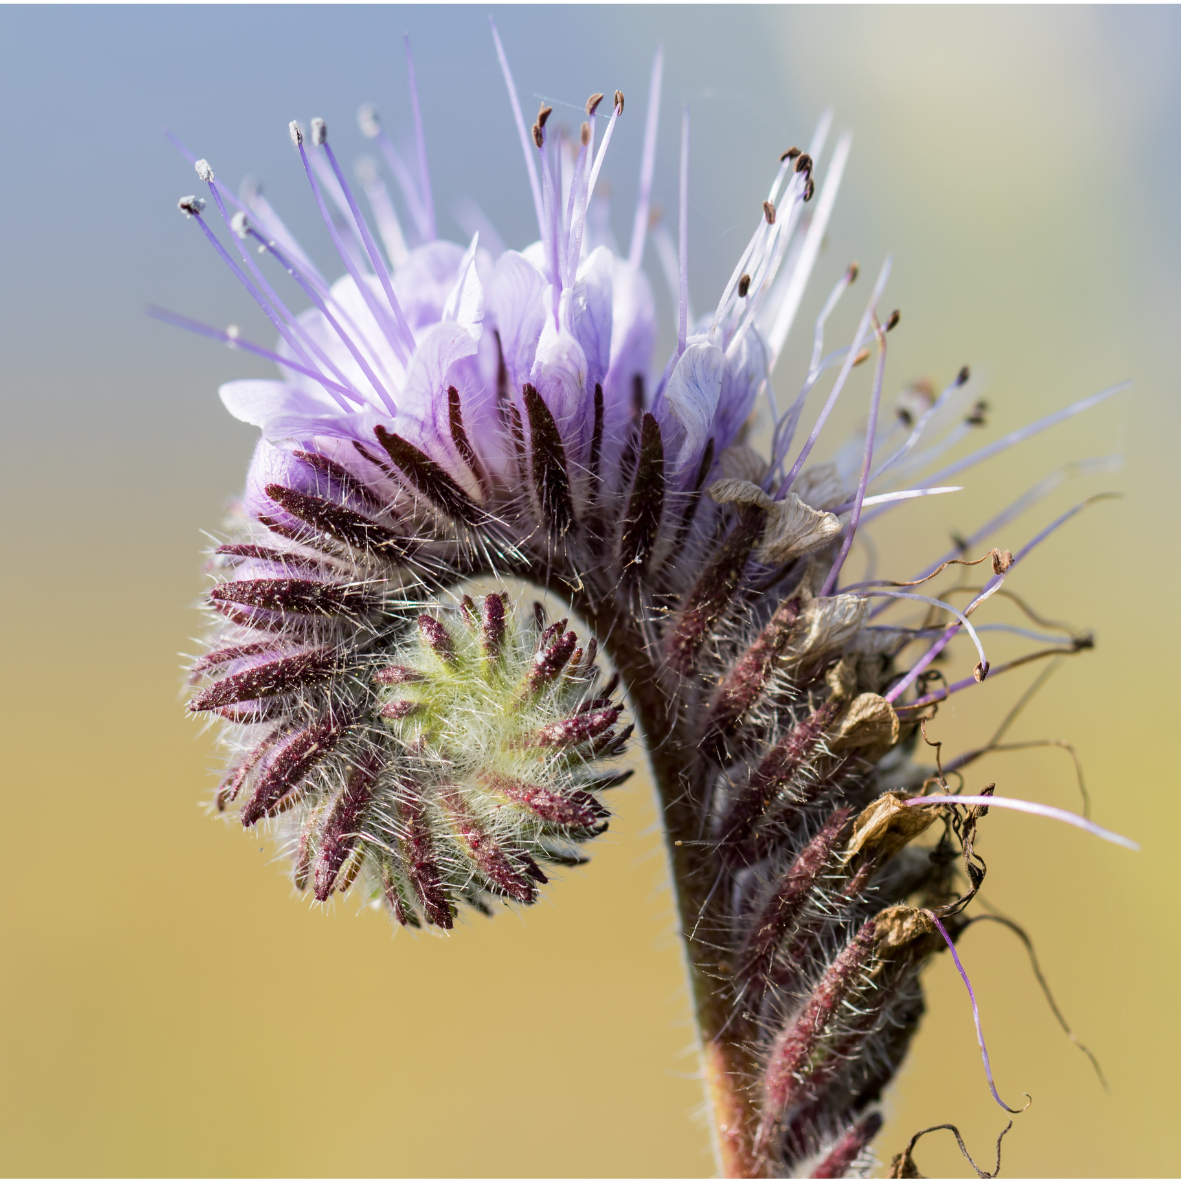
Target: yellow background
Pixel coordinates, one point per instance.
(166, 1005)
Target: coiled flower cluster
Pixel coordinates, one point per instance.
(447, 415)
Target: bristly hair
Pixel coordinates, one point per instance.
(450, 414)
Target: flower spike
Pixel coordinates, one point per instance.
(452, 418)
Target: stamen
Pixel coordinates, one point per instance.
(635, 254)
(989, 588)
(549, 203)
(345, 338)
(424, 172)
(802, 271)
(594, 176)
(402, 345)
(239, 226)
(870, 431)
(1027, 432)
(192, 207)
(384, 213)
(366, 237)
(234, 341)
(842, 377)
(683, 232)
(975, 1008)
(982, 668)
(512, 94)
(370, 125)
(888, 497)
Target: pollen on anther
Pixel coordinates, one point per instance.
(240, 224)
(190, 206)
(296, 133)
(319, 131)
(204, 171)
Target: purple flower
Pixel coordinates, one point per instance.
(447, 414)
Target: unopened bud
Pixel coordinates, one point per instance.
(436, 637)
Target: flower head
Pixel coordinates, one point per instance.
(446, 414)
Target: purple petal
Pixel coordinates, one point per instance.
(690, 402)
(516, 305)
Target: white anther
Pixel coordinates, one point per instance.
(232, 331)
(319, 131)
(368, 120)
(296, 133)
(240, 224)
(190, 206)
(204, 171)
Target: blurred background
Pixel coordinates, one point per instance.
(167, 1006)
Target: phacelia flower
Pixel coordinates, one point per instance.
(448, 414)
